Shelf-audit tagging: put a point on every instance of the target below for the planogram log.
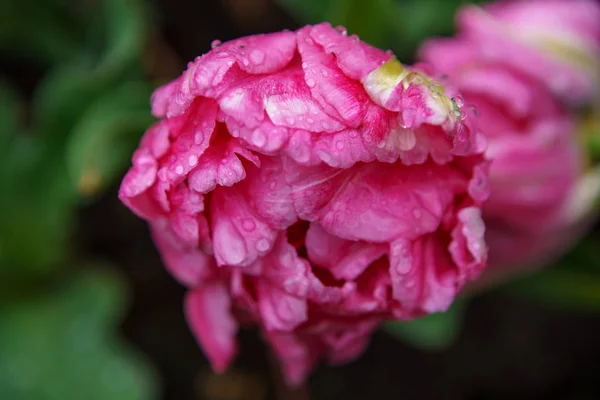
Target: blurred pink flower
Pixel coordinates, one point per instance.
(555, 41)
(310, 184)
(537, 160)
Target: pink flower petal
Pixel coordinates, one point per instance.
(239, 237)
(345, 259)
(208, 311)
(279, 310)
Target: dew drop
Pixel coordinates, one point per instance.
(459, 101)
(355, 38)
(259, 138)
(311, 82)
(273, 185)
(245, 61)
(248, 224)
(257, 56)
(193, 160)
(290, 120)
(416, 213)
(215, 43)
(341, 29)
(324, 72)
(304, 65)
(179, 169)
(199, 137)
(310, 120)
(262, 244)
(339, 145)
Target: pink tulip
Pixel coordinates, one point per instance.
(310, 184)
(555, 41)
(537, 161)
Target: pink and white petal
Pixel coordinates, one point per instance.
(208, 311)
(468, 248)
(283, 268)
(448, 55)
(185, 200)
(267, 138)
(192, 138)
(340, 96)
(347, 343)
(423, 277)
(239, 236)
(279, 310)
(300, 148)
(156, 139)
(342, 149)
(344, 259)
(134, 190)
(380, 202)
(312, 187)
(163, 97)
(298, 357)
(260, 54)
(270, 193)
(188, 264)
(354, 57)
(220, 165)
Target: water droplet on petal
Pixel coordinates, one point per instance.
(416, 213)
(459, 101)
(324, 72)
(262, 244)
(355, 38)
(215, 43)
(311, 82)
(257, 56)
(248, 224)
(258, 137)
(339, 145)
(179, 169)
(199, 137)
(273, 185)
(193, 160)
(290, 120)
(341, 29)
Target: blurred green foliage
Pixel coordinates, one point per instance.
(60, 346)
(83, 122)
(61, 146)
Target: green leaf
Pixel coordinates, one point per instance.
(62, 346)
(65, 93)
(102, 142)
(432, 332)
